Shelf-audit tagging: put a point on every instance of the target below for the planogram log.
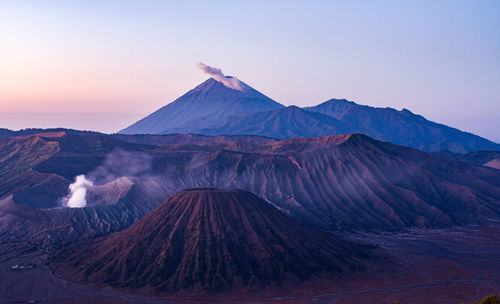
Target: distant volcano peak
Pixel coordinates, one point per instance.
(215, 99)
(215, 84)
(233, 83)
(229, 81)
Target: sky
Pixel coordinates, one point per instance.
(103, 64)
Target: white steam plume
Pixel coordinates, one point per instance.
(77, 192)
(215, 73)
(117, 164)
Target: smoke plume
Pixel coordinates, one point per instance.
(121, 163)
(77, 192)
(215, 73)
(117, 164)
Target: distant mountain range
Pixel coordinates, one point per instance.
(402, 127)
(214, 109)
(4, 133)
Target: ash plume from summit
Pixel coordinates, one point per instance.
(215, 73)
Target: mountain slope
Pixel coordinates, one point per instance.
(344, 182)
(209, 239)
(289, 122)
(6, 133)
(347, 182)
(30, 215)
(478, 158)
(493, 163)
(210, 101)
(213, 109)
(401, 127)
(24, 229)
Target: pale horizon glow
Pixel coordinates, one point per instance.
(101, 65)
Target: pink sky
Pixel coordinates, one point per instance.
(127, 59)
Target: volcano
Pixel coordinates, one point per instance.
(210, 239)
(209, 102)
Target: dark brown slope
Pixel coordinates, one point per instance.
(348, 182)
(28, 221)
(209, 239)
(20, 154)
(24, 229)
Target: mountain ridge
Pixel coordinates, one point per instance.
(402, 187)
(214, 109)
(402, 127)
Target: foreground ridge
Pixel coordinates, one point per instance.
(210, 239)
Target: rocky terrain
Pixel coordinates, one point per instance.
(435, 266)
(210, 239)
(337, 183)
(347, 184)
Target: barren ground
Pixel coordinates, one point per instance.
(433, 266)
